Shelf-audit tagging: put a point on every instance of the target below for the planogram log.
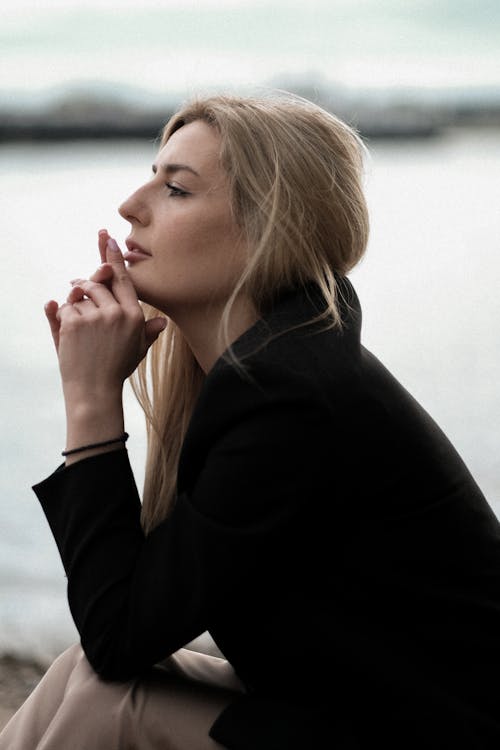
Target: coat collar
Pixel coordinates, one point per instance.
(294, 309)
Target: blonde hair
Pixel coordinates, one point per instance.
(295, 176)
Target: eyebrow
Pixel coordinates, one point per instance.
(172, 168)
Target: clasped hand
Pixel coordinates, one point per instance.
(100, 332)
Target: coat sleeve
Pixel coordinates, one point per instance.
(256, 450)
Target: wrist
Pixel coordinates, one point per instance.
(85, 451)
(73, 458)
(92, 398)
(90, 422)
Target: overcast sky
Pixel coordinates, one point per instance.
(173, 46)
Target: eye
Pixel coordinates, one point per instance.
(176, 192)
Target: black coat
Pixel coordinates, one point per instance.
(325, 533)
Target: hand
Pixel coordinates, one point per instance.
(100, 333)
(103, 275)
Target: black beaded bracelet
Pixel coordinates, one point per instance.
(122, 439)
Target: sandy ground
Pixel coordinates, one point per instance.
(17, 680)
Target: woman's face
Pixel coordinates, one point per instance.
(185, 250)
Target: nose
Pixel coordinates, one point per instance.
(134, 208)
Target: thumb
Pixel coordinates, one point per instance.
(153, 329)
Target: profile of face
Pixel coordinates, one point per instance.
(185, 249)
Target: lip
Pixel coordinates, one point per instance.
(135, 252)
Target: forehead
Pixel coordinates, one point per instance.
(197, 145)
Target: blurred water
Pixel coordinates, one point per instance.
(428, 286)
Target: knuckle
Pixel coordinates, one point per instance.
(136, 316)
(113, 314)
(69, 326)
(62, 310)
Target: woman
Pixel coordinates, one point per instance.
(298, 504)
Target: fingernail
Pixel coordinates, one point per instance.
(103, 231)
(111, 245)
(75, 281)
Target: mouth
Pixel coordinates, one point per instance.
(135, 252)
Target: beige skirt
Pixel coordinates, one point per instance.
(172, 708)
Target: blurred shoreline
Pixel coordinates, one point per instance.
(102, 111)
(18, 678)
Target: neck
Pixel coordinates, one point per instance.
(201, 329)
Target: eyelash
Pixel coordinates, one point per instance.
(176, 192)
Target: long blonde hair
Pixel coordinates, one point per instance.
(295, 174)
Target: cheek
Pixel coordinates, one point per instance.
(177, 235)
(199, 256)
(210, 237)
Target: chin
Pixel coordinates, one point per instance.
(147, 297)
(140, 287)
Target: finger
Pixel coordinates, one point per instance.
(76, 295)
(153, 328)
(51, 309)
(121, 285)
(103, 274)
(103, 237)
(84, 306)
(66, 310)
(98, 293)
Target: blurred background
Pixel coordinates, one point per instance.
(84, 90)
